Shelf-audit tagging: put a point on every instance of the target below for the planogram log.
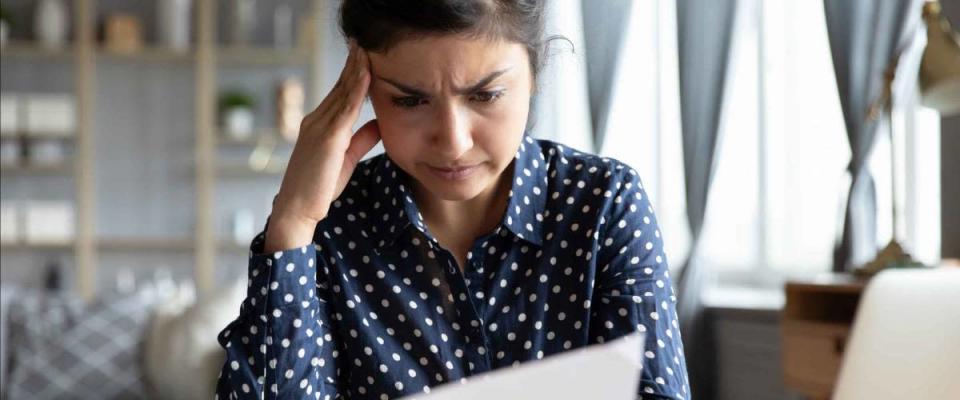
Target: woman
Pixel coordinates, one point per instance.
(468, 246)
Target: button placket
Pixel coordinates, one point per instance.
(462, 293)
(469, 283)
(480, 345)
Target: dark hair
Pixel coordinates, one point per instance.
(377, 25)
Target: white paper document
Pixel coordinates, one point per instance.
(605, 371)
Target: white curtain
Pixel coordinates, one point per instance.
(626, 104)
(561, 108)
(643, 128)
(576, 85)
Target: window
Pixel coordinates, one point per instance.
(778, 192)
(781, 161)
(777, 197)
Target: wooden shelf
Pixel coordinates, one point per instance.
(229, 245)
(244, 170)
(39, 135)
(242, 55)
(21, 49)
(259, 136)
(23, 246)
(149, 54)
(162, 244)
(148, 244)
(126, 244)
(65, 169)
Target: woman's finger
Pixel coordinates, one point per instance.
(362, 142)
(360, 85)
(329, 103)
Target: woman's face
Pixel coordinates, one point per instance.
(452, 110)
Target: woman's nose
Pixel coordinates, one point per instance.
(454, 136)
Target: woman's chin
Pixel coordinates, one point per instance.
(453, 188)
(452, 191)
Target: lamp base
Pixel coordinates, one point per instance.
(892, 256)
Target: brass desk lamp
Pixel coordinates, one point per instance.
(939, 80)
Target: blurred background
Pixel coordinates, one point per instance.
(787, 146)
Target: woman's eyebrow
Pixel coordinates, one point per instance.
(410, 90)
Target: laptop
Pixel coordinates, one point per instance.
(905, 342)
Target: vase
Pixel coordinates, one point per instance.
(47, 153)
(243, 226)
(238, 123)
(174, 23)
(244, 20)
(283, 27)
(4, 33)
(9, 153)
(50, 23)
(290, 99)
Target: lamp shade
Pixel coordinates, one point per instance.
(940, 66)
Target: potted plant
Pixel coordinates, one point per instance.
(6, 23)
(236, 113)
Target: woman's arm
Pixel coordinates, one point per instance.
(282, 344)
(633, 291)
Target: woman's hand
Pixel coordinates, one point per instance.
(324, 157)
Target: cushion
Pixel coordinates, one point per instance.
(63, 349)
(183, 357)
(8, 295)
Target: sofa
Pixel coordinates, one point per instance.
(155, 341)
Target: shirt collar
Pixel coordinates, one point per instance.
(394, 208)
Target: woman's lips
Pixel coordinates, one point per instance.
(453, 174)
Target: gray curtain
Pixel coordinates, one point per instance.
(865, 35)
(705, 29)
(604, 28)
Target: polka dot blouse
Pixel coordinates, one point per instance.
(375, 308)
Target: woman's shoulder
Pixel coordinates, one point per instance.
(374, 189)
(568, 166)
(369, 173)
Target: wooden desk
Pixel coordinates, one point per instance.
(816, 321)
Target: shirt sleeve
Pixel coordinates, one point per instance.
(633, 291)
(282, 344)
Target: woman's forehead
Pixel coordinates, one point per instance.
(448, 60)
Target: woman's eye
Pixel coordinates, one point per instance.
(408, 101)
(487, 97)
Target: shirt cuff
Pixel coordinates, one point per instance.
(282, 279)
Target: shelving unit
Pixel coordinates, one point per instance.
(126, 244)
(57, 170)
(206, 58)
(36, 246)
(149, 55)
(28, 50)
(263, 56)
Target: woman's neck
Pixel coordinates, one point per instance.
(463, 221)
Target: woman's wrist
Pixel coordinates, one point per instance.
(288, 232)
